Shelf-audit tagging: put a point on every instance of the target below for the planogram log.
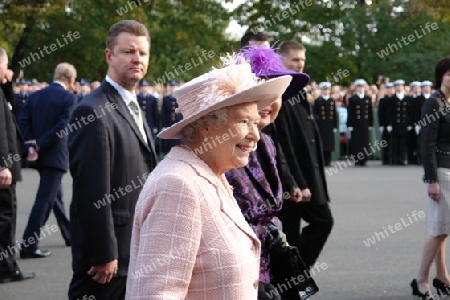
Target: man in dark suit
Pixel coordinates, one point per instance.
(425, 88)
(299, 138)
(21, 97)
(110, 157)
(10, 141)
(325, 113)
(384, 116)
(359, 122)
(400, 123)
(43, 123)
(414, 105)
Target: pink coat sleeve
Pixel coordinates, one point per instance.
(166, 240)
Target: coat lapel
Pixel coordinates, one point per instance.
(228, 204)
(124, 112)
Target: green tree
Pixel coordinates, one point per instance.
(181, 32)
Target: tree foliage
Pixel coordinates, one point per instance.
(346, 34)
(352, 35)
(180, 32)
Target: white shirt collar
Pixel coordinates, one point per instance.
(400, 96)
(60, 83)
(127, 96)
(325, 97)
(426, 96)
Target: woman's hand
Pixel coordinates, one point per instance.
(434, 191)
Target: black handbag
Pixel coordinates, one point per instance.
(291, 277)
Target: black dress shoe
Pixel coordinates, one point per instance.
(441, 287)
(17, 276)
(35, 254)
(416, 292)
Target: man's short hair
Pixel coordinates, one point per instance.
(129, 26)
(65, 71)
(253, 36)
(287, 46)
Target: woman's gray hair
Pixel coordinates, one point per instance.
(215, 118)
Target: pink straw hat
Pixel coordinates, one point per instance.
(219, 88)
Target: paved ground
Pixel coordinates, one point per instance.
(364, 201)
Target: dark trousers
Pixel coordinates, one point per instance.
(386, 151)
(48, 197)
(311, 240)
(8, 216)
(83, 284)
(412, 147)
(327, 158)
(398, 148)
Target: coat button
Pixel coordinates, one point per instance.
(313, 141)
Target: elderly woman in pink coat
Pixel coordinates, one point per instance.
(190, 239)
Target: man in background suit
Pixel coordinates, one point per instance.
(10, 141)
(299, 138)
(110, 158)
(42, 123)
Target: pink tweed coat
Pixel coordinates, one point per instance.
(190, 240)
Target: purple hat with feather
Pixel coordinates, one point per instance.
(266, 63)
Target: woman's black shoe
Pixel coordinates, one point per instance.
(416, 291)
(441, 287)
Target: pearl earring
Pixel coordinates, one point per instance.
(205, 139)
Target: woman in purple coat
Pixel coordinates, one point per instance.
(257, 187)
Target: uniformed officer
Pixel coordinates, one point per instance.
(399, 122)
(84, 89)
(384, 117)
(324, 109)
(425, 87)
(359, 122)
(169, 116)
(21, 97)
(148, 103)
(414, 106)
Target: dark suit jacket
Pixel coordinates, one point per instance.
(10, 138)
(298, 135)
(109, 161)
(45, 120)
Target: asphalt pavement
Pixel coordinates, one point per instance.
(373, 251)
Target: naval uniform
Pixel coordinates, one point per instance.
(400, 123)
(168, 118)
(360, 117)
(325, 115)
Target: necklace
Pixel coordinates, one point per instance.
(442, 97)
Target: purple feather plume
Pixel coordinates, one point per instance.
(265, 62)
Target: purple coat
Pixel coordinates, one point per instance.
(258, 192)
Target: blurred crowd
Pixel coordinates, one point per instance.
(159, 106)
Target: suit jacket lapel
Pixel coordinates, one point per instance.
(124, 112)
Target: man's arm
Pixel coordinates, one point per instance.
(90, 162)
